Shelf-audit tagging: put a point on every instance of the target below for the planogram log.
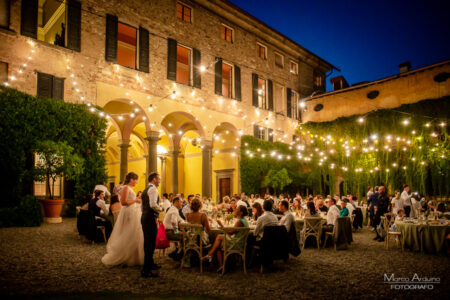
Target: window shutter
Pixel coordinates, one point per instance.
(44, 85)
(270, 135)
(288, 103)
(29, 18)
(256, 131)
(172, 60)
(143, 50)
(237, 83)
(255, 90)
(270, 91)
(58, 88)
(111, 38)
(197, 73)
(218, 76)
(74, 25)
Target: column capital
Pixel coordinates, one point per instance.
(124, 144)
(162, 158)
(207, 145)
(152, 136)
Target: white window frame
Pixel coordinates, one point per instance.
(295, 68)
(231, 96)
(264, 104)
(191, 65)
(232, 33)
(282, 59)
(265, 50)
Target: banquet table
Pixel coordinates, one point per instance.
(419, 236)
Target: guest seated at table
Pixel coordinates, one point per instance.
(440, 209)
(187, 207)
(239, 213)
(171, 221)
(242, 201)
(287, 219)
(197, 217)
(232, 207)
(311, 212)
(259, 200)
(257, 210)
(400, 216)
(322, 207)
(268, 218)
(100, 211)
(225, 203)
(332, 215)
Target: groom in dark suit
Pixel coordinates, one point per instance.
(150, 212)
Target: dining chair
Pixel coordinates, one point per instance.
(234, 242)
(389, 220)
(192, 240)
(312, 227)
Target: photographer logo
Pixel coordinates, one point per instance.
(416, 282)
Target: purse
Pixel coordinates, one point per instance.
(161, 239)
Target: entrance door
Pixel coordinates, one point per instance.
(224, 188)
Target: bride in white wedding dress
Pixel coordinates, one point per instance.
(126, 244)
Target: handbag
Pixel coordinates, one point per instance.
(161, 239)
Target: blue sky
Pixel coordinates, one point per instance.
(367, 40)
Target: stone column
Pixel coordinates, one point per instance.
(152, 158)
(174, 155)
(163, 174)
(206, 169)
(124, 145)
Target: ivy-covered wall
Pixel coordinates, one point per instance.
(409, 144)
(25, 119)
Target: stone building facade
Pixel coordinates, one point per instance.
(179, 81)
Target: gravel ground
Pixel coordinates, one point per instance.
(51, 261)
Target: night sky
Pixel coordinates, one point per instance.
(367, 40)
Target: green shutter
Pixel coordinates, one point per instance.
(111, 38)
(237, 83)
(58, 88)
(288, 103)
(218, 76)
(270, 135)
(74, 25)
(44, 85)
(197, 72)
(29, 18)
(255, 90)
(172, 60)
(256, 131)
(270, 94)
(143, 50)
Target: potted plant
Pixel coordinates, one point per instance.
(55, 159)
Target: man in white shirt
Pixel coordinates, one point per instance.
(287, 219)
(187, 208)
(102, 187)
(397, 203)
(406, 200)
(268, 218)
(240, 202)
(171, 221)
(150, 212)
(259, 200)
(333, 214)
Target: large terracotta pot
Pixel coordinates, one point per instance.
(52, 209)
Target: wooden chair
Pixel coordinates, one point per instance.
(192, 240)
(312, 227)
(236, 244)
(102, 229)
(344, 221)
(389, 220)
(331, 234)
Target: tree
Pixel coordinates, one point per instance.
(56, 159)
(277, 179)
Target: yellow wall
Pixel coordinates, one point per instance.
(193, 174)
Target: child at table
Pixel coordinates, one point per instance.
(400, 216)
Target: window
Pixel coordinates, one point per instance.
(3, 72)
(262, 103)
(183, 65)
(53, 21)
(295, 113)
(319, 83)
(294, 68)
(126, 45)
(261, 51)
(279, 60)
(263, 133)
(184, 12)
(278, 96)
(227, 80)
(49, 86)
(4, 13)
(227, 33)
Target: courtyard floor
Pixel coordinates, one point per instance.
(52, 262)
